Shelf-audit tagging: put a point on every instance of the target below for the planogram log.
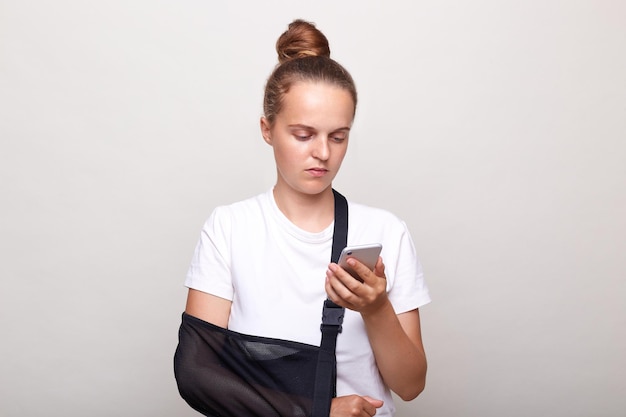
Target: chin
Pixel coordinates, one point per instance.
(315, 190)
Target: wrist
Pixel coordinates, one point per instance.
(378, 310)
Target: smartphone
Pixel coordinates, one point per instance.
(366, 254)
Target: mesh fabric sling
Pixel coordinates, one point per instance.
(222, 373)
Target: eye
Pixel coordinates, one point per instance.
(302, 135)
(338, 138)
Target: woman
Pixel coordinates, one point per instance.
(261, 265)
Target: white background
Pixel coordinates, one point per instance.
(495, 129)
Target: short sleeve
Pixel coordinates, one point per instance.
(408, 289)
(210, 269)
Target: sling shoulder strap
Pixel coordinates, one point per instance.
(332, 320)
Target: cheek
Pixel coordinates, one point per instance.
(292, 149)
(340, 154)
(286, 155)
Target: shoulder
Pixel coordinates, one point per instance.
(243, 208)
(374, 217)
(225, 217)
(362, 209)
(367, 224)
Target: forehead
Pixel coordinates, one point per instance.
(317, 104)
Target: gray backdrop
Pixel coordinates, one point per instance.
(495, 129)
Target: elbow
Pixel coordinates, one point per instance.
(411, 392)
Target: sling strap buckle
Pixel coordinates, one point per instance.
(332, 316)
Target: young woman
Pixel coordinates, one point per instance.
(262, 265)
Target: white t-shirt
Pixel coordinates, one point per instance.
(274, 274)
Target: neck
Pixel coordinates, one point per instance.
(312, 213)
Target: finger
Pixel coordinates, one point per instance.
(330, 291)
(376, 403)
(379, 269)
(343, 278)
(369, 407)
(363, 271)
(337, 291)
(331, 287)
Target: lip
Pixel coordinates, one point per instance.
(317, 172)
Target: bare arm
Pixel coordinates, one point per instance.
(208, 307)
(397, 344)
(395, 339)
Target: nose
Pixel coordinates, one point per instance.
(321, 150)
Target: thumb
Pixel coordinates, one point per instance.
(374, 402)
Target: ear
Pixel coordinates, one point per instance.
(266, 131)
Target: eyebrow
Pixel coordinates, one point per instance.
(301, 126)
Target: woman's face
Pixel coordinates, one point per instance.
(310, 136)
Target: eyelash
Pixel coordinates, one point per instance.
(333, 138)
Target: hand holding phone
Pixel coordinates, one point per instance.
(366, 254)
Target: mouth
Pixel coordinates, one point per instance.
(317, 172)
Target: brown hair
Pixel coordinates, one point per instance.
(303, 55)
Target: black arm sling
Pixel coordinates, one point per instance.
(222, 373)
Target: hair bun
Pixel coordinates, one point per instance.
(300, 40)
